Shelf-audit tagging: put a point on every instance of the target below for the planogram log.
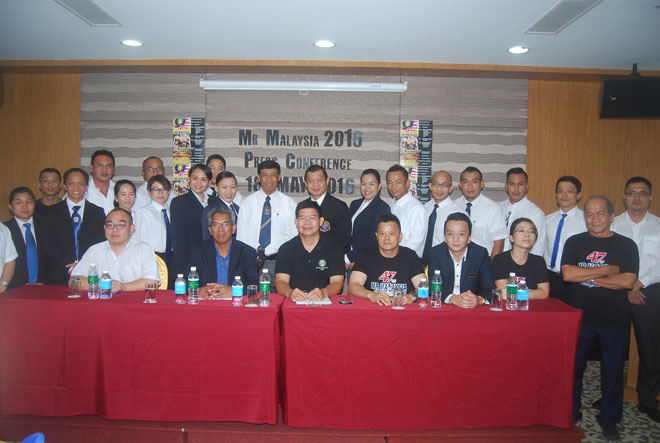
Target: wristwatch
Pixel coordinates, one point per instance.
(5, 283)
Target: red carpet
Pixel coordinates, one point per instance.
(89, 428)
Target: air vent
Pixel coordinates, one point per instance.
(90, 12)
(561, 15)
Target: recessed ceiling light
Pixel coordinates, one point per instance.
(134, 43)
(518, 50)
(324, 44)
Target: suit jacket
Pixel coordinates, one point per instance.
(57, 242)
(476, 274)
(186, 221)
(364, 226)
(21, 271)
(337, 224)
(242, 261)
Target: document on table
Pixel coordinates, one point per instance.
(325, 301)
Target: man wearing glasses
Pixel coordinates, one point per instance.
(437, 209)
(130, 262)
(643, 228)
(151, 167)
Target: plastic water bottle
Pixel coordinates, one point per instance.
(193, 286)
(106, 285)
(423, 294)
(522, 297)
(93, 282)
(179, 290)
(264, 288)
(237, 291)
(511, 291)
(436, 290)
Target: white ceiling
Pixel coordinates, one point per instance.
(613, 35)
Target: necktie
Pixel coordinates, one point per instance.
(76, 219)
(467, 208)
(429, 234)
(264, 230)
(168, 237)
(555, 248)
(507, 218)
(235, 208)
(31, 253)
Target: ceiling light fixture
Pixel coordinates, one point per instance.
(518, 50)
(132, 43)
(231, 85)
(324, 44)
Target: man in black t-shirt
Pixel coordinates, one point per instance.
(309, 266)
(386, 267)
(602, 266)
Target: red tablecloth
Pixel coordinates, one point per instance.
(363, 366)
(122, 359)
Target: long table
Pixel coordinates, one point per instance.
(122, 359)
(363, 366)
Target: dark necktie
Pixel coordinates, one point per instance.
(76, 219)
(468, 206)
(234, 207)
(31, 254)
(555, 247)
(264, 230)
(168, 237)
(429, 234)
(507, 219)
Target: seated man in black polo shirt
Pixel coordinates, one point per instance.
(309, 266)
(386, 267)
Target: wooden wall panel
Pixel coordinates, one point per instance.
(39, 127)
(567, 137)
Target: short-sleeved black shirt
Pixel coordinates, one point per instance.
(309, 270)
(601, 306)
(385, 274)
(534, 270)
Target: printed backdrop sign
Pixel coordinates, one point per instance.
(415, 154)
(188, 139)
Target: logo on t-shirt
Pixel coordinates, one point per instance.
(388, 277)
(597, 258)
(323, 265)
(325, 227)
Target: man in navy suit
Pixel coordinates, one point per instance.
(221, 258)
(69, 227)
(457, 255)
(21, 205)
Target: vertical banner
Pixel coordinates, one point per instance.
(188, 136)
(415, 154)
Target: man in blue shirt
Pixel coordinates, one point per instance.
(221, 258)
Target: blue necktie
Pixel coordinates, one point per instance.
(31, 254)
(168, 238)
(555, 248)
(264, 230)
(76, 219)
(234, 207)
(429, 234)
(467, 208)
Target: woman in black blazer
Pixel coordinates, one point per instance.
(186, 213)
(368, 209)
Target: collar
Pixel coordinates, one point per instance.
(263, 194)
(462, 260)
(70, 204)
(21, 222)
(644, 219)
(570, 213)
(217, 253)
(403, 199)
(521, 202)
(320, 199)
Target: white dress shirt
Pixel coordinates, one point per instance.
(136, 261)
(93, 195)
(142, 197)
(414, 222)
(646, 234)
(20, 225)
(458, 268)
(283, 214)
(150, 226)
(70, 204)
(487, 221)
(527, 209)
(7, 249)
(573, 224)
(445, 207)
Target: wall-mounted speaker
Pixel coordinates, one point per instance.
(630, 98)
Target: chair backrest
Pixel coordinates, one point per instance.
(162, 272)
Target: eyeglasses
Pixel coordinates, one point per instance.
(118, 226)
(160, 190)
(442, 185)
(152, 169)
(530, 231)
(223, 225)
(641, 194)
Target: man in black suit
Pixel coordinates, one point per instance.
(457, 254)
(337, 221)
(68, 229)
(23, 232)
(222, 252)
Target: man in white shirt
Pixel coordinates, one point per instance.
(8, 258)
(488, 228)
(568, 192)
(437, 210)
(643, 228)
(517, 206)
(267, 217)
(151, 167)
(130, 262)
(407, 208)
(101, 190)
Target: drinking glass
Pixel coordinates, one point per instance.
(150, 289)
(496, 300)
(252, 294)
(75, 288)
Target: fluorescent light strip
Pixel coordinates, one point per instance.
(232, 85)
